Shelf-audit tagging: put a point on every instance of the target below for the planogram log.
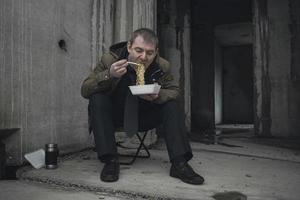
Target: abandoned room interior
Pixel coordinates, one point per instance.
(236, 61)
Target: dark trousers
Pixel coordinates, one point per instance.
(106, 115)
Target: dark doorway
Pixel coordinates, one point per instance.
(222, 69)
(237, 85)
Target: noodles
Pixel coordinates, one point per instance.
(140, 72)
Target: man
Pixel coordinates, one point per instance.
(111, 105)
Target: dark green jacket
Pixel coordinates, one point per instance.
(100, 81)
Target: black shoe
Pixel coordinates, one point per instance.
(184, 172)
(110, 171)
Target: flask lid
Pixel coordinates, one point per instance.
(51, 145)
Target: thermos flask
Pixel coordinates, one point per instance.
(51, 154)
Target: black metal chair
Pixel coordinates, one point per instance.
(140, 147)
(137, 154)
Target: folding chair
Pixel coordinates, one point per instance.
(138, 150)
(140, 147)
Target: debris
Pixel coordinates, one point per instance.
(36, 158)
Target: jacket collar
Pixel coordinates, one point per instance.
(119, 50)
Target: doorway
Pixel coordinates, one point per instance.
(237, 85)
(222, 64)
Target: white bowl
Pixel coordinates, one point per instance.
(145, 89)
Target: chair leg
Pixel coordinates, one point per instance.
(136, 155)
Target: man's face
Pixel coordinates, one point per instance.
(141, 51)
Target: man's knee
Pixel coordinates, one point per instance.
(99, 101)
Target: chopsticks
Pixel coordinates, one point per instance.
(133, 63)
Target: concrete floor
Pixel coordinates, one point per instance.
(26, 190)
(258, 171)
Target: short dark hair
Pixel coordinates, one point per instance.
(147, 34)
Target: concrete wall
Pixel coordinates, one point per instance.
(294, 86)
(114, 21)
(47, 49)
(174, 34)
(131, 15)
(262, 119)
(285, 95)
(278, 96)
(279, 65)
(203, 74)
(39, 80)
(294, 8)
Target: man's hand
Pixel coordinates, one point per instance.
(149, 97)
(118, 69)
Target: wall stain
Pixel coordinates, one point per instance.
(263, 25)
(182, 10)
(294, 27)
